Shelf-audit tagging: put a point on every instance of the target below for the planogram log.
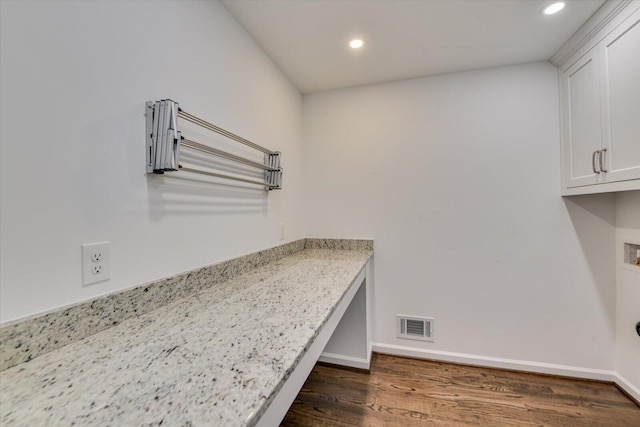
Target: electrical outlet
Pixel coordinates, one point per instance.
(95, 263)
(281, 231)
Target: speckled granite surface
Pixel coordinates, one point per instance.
(342, 244)
(22, 341)
(215, 357)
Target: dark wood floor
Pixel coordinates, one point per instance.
(408, 392)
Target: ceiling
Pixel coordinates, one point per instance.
(308, 39)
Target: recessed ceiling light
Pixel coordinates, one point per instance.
(356, 43)
(553, 8)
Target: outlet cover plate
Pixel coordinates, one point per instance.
(96, 263)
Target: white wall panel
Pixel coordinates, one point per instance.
(457, 178)
(627, 349)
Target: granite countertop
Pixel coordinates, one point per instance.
(217, 357)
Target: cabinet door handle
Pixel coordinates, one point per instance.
(593, 161)
(601, 160)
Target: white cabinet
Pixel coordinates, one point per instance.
(581, 127)
(620, 86)
(600, 112)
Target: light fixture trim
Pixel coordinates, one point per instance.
(553, 8)
(356, 43)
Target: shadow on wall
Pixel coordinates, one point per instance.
(594, 220)
(186, 194)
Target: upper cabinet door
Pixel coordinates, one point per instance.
(620, 84)
(581, 117)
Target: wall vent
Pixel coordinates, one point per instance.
(415, 328)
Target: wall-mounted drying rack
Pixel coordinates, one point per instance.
(164, 142)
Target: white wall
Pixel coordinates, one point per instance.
(628, 291)
(74, 79)
(457, 178)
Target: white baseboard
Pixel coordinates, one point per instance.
(496, 362)
(350, 361)
(629, 388)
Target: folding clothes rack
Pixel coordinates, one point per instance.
(164, 142)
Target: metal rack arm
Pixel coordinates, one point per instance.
(210, 150)
(220, 175)
(200, 122)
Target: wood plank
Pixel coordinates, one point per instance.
(410, 392)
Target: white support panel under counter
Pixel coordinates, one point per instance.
(350, 344)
